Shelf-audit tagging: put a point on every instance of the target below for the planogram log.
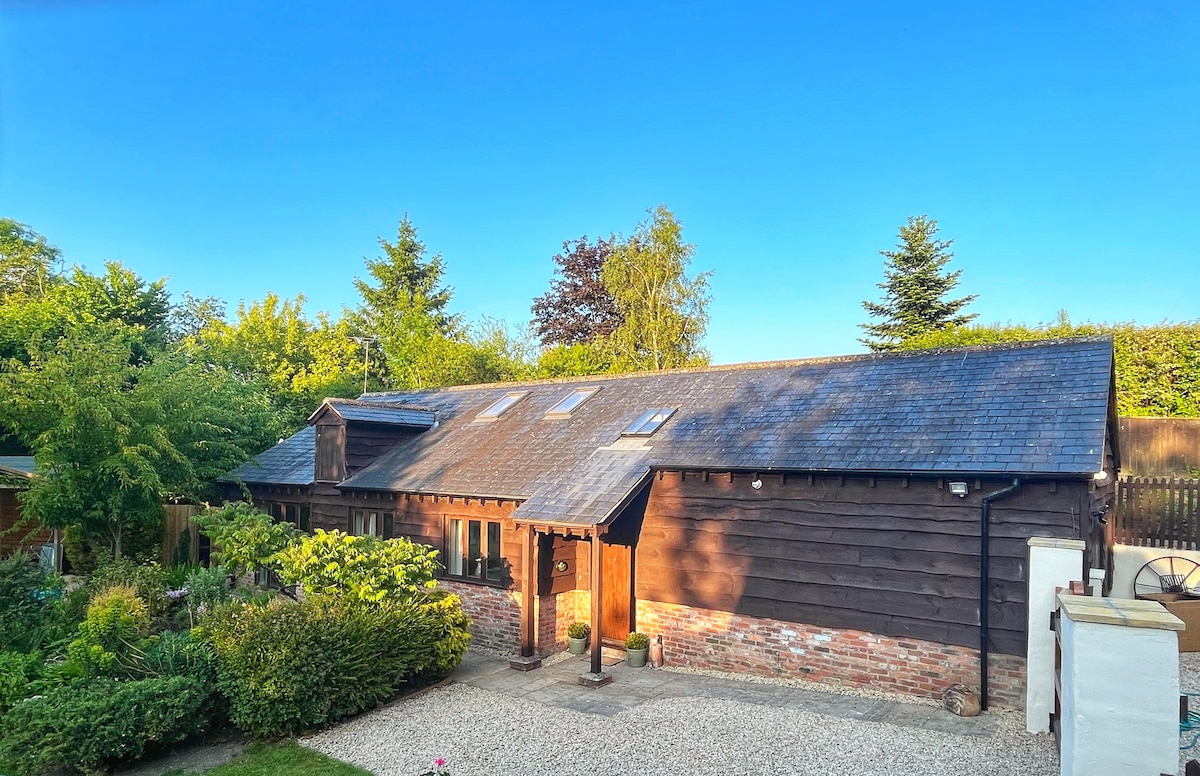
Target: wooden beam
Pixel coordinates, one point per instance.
(597, 611)
(529, 574)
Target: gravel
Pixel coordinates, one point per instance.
(482, 732)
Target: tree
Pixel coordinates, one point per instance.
(578, 309)
(300, 362)
(406, 311)
(113, 437)
(664, 312)
(29, 264)
(915, 288)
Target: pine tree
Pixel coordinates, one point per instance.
(915, 288)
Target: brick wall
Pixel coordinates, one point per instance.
(705, 638)
(555, 613)
(495, 614)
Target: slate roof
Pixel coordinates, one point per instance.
(1030, 408)
(288, 463)
(403, 415)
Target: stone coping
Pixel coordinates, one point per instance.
(1119, 611)
(1057, 544)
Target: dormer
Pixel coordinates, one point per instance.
(352, 434)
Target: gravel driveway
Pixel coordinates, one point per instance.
(489, 733)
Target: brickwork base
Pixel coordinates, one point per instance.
(495, 614)
(704, 638)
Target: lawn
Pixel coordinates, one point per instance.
(287, 757)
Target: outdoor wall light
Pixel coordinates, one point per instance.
(1100, 476)
(560, 566)
(756, 483)
(958, 489)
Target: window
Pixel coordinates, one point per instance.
(501, 405)
(568, 405)
(481, 540)
(298, 515)
(648, 422)
(364, 522)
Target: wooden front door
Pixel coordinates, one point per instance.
(616, 593)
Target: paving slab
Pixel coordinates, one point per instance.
(558, 685)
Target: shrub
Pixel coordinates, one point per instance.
(180, 654)
(243, 538)
(30, 614)
(206, 588)
(637, 641)
(149, 581)
(111, 637)
(358, 568)
(579, 630)
(289, 666)
(18, 671)
(92, 724)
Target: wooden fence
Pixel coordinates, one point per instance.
(1157, 512)
(1160, 447)
(177, 521)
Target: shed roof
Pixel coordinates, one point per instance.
(389, 414)
(288, 463)
(1036, 408)
(22, 465)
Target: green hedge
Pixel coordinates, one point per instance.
(287, 666)
(94, 724)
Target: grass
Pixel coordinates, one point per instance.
(287, 757)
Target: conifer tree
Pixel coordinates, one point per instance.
(915, 288)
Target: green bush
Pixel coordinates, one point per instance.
(18, 672)
(112, 637)
(579, 630)
(30, 613)
(93, 724)
(358, 568)
(149, 580)
(244, 538)
(637, 641)
(287, 666)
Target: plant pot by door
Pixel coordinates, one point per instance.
(636, 658)
(577, 646)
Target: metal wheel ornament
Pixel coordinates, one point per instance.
(1168, 574)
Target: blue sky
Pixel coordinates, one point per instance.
(246, 147)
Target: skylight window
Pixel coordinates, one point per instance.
(648, 422)
(568, 405)
(501, 405)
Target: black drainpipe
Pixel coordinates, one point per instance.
(985, 509)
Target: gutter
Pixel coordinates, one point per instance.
(985, 510)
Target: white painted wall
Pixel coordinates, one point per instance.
(1053, 563)
(1120, 700)
(1127, 560)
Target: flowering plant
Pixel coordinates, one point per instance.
(439, 768)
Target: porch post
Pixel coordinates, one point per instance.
(527, 661)
(596, 677)
(529, 572)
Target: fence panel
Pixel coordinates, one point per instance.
(177, 521)
(1157, 512)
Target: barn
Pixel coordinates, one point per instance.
(855, 520)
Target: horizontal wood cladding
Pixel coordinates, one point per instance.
(365, 443)
(890, 555)
(28, 535)
(552, 550)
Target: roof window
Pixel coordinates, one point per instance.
(568, 405)
(501, 405)
(648, 422)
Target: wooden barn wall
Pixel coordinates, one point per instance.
(10, 516)
(330, 463)
(365, 443)
(893, 556)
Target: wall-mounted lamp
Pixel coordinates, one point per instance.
(561, 566)
(756, 483)
(958, 489)
(1100, 476)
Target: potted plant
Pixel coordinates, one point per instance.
(637, 646)
(577, 637)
